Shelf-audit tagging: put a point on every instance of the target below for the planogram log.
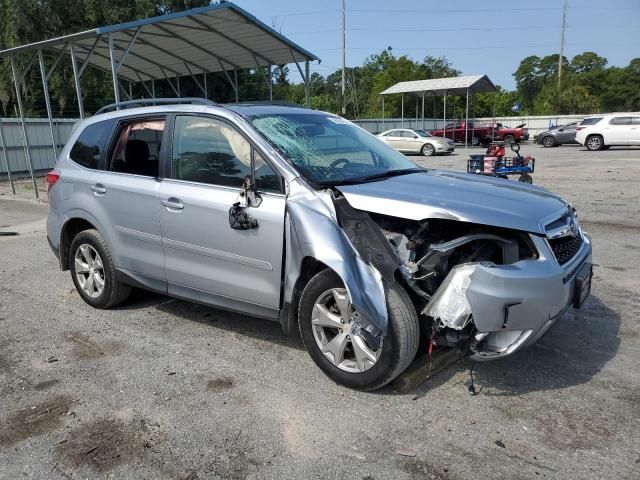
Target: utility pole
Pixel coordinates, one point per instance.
(564, 17)
(344, 57)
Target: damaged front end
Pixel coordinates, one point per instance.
(485, 290)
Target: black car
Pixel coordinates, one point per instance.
(558, 135)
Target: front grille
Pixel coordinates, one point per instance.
(565, 248)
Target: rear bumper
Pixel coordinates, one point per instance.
(513, 306)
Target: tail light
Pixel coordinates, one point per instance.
(52, 177)
(580, 128)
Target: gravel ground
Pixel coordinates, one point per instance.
(161, 388)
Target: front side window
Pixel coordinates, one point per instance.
(327, 149)
(267, 180)
(207, 150)
(88, 148)
(422, 133)
(137, 149)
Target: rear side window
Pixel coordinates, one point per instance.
(90, 144)
(590, 121)
(620, 121)
(137, 149)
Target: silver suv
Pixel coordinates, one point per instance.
(301, 217)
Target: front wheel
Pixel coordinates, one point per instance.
(93, 272)
(325, 318)
(509, 139)
(428, 150)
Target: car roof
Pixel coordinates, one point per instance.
(245, 110)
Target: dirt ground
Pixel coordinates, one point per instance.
(160, 388)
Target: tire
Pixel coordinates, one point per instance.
(509, 139)
(398, 349)
(525, 178)
(594, 143)
(84, 247)
(428, 150)
(549, 142)
(475, 141)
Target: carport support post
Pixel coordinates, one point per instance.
(383, 112)
(6, 159)
(423, 111)
(307, 83)
(466, 122)
(47, 101)
(153, 89)
(235, 82)
(444, 115)
(402, 110)
(27, 152)
(114, 73)
(76, 79)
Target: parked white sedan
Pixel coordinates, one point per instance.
(416, 141)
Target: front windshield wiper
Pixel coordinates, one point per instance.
(370, 178)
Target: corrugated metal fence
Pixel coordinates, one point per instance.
(39, 142)
(535, 124)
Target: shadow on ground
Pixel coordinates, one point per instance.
(571, 353)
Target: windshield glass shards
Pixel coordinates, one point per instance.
(329, 150)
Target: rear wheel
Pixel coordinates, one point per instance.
(594, 143)
(549, 142)
(475, 141)
(509, 139)
(93, 272)
(525, 178)
(325, 318)
(428, 150)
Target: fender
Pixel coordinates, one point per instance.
(313, 231)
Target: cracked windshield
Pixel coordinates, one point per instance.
(329, 150)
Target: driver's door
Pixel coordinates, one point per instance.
(205, 259)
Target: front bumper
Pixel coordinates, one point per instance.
(512, 306)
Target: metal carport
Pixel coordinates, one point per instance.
(217, 38)
(442, 87)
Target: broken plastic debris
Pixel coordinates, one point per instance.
(406, 452)
(449, 304)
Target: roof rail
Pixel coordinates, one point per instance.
(282, 103)
(155, 101)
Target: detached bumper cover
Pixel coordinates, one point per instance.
(512, 306)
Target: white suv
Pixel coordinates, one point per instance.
(602, 131)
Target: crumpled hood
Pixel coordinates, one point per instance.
(458, 196)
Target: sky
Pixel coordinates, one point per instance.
(478, 37)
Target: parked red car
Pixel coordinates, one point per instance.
(484, 134)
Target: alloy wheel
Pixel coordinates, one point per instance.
(332, 321)
(594, 143)
(89, 270)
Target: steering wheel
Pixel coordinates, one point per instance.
(339, 161)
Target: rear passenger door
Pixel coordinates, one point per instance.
(205, 259)
(127, 190)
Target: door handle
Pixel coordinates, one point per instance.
(173, 203)
(98, 189)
